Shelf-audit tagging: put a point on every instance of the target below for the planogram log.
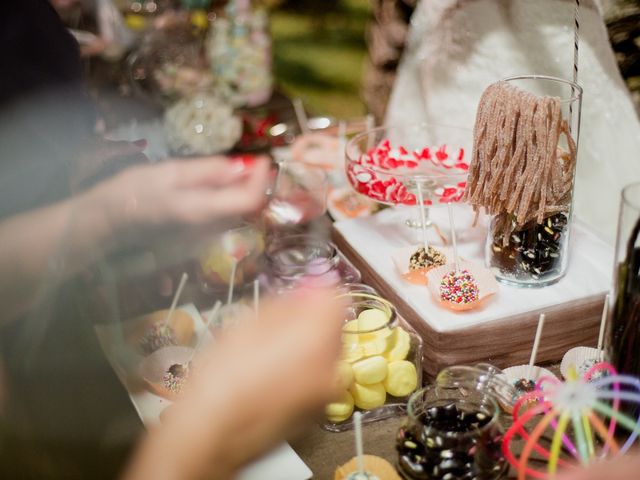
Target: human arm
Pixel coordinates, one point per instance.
(252, 388)
(55, 242)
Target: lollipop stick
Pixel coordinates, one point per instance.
(453, 238)
(301, 115)
(603, 324)
(176, 297)
(256, 297)
(232, 280)
(357, 420)
(536, 344)
(210, 317)
(423, 216)
(369, 125)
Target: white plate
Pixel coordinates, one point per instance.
(280, 464)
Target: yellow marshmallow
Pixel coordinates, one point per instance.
(345, 375)
(372, 319)
(340, 411)
(402, 378)
(398, 346)
(368, 397)
(370, 370)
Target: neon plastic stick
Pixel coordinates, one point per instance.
(588, 433)
(625, 421)
(519, 423)
(602, 432)
(556, 442)
(566, 440)
(530, 445)
(508, 437)
(580, 437)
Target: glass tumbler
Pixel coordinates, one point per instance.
(624, 331)
(536, 254)
(454, 428)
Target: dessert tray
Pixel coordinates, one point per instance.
(280, 464)
(500, 331)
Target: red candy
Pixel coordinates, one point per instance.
(383, 157)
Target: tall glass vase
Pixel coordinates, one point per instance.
(535, 254)
(624, 331)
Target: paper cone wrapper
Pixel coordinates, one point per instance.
(153, 367)
(401, 256)
(181, 323)
(513, 374)
(582, 358)
(373, 465)
(487, 284)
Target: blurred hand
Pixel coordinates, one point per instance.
(622, 468)
(143, 201)
(101, 159)
(251, 389)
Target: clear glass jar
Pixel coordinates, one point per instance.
(169, 62)
(536, 254)
(624, 331)
(298, 197)
(381, 364)
(239, 51)
(454, 428)
(201, 124)
(243, 245)
(295, 261)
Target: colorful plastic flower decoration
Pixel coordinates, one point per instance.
(583, 415)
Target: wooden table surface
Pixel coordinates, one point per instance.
(324, 451)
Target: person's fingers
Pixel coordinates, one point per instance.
(202, 206)
(213, 171)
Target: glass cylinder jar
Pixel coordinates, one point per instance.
(624, 330)
(201, 124)
(304, 261)
(454, 428)
(239, 51)
(298, 197)
(169, 62)
(381, 363)
(535, 253)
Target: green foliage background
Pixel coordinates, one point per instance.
(319, 52)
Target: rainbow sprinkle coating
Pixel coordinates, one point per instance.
(175, 377)
(458, 287)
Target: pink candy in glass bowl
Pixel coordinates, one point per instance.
(387, 164)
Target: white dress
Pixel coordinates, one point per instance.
(456, 48)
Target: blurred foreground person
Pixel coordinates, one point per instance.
(623, 468)
(257, 382)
